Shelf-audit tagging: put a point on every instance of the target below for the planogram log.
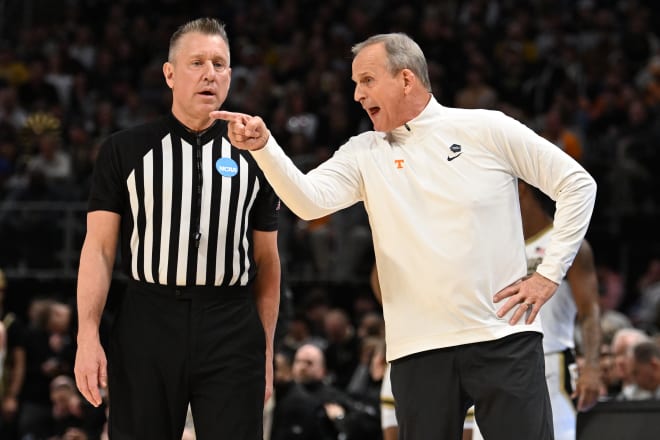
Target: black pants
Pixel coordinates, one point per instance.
(173, 346)
(504, 379)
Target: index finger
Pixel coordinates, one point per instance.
(507, 292)
(229, 116)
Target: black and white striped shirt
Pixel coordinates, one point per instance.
(189, 203)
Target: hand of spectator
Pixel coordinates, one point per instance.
(587, 388)
(245, 132)
(529, 294)
(91, 370)
(334, 411)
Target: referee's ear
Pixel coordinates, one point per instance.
(168, 72)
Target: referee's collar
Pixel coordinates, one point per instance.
(191, 136)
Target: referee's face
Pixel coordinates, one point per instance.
(199, 76)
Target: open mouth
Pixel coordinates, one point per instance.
(207, 93)
(373, 111)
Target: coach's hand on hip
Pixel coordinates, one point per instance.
(527, 295)
(245, 132)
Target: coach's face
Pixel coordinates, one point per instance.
(380, 93)
(199, 76)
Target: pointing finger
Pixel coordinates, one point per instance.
(229, 116)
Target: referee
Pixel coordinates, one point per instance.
(197, 225)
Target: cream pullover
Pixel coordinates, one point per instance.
(442, 199)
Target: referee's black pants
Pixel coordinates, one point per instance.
(173, 346)
(504, 379)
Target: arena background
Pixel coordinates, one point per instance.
(585, 74)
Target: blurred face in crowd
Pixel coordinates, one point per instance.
(282, 369)
(59, 318)
(199, 76)
(647, 374)
(337, 327)
(622, 360)
(608, 371)
(308, 365)
(378, 91)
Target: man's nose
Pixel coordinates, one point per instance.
(209, 71)
(357, 93)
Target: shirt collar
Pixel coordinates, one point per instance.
(419, 123)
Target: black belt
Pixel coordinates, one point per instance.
(192, 292)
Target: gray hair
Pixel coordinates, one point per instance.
(206, 26)
(402, 53)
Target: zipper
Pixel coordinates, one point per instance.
(198, 191)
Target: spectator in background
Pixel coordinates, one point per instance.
(37, 94)
(623, 345)
(71, 413)
(12, 366)
(8, 152)
(647, 312)
(44, 350)
(476, 93)
(350, 417)
(342, 354)
(555, 130)
(296, 413)
(646, 367)
(610, 323)
(48, 159)
(11, 110)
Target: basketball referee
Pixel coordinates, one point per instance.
(197, 226)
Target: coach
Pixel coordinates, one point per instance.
(440, 187)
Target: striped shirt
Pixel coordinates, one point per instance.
(188, 203)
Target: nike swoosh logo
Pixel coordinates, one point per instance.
(450, 158)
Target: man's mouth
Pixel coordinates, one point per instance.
(207, 93)
(373, 111)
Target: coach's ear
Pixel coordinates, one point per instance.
(168, 72)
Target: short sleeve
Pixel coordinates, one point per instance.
(107, 191)
(265, 212)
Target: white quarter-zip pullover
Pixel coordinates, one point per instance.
(442, 198)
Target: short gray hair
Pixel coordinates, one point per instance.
(206, 26)
(402, 53)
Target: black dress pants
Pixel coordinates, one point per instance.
(170, 347)
(504, 379)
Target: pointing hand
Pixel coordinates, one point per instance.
(245, 132)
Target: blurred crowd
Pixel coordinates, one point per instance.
(585, 74)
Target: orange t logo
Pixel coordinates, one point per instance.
(399, 163)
